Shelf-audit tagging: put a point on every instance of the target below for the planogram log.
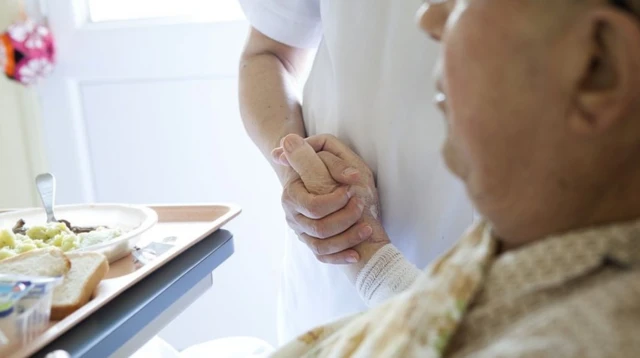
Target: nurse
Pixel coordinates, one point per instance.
(366, 87)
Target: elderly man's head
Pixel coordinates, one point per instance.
(542, 99)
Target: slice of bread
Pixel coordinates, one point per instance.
(87, 270)
(49, 262)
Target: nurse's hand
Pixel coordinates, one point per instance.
(329, 173)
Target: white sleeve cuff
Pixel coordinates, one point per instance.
(301, 30)
(386, 274)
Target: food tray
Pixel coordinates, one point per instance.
(187, 223)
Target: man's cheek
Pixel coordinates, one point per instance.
(449, 157)
(455, 154)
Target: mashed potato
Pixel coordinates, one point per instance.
(51, 234)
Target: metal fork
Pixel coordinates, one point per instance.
(46, 184)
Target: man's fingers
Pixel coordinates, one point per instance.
(277, 156)
(283, 160)
(319, 143)
(304, 160)
(332, 224)
(335, 244)
(296, 198)
(340, 170)
(331, 144)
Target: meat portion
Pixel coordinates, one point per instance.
(19, 227)
(77, 229)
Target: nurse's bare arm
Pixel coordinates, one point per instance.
(382, 270)
(270, 109)
(269, 102)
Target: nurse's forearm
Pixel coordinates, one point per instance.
(268, 95)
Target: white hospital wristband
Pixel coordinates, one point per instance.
(386, 274)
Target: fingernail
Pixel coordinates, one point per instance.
(291, 143)
(365, 232)
(283, 159)
(275, 155)
(352, 259)
(349, 172)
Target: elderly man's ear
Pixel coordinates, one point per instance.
(607, 88)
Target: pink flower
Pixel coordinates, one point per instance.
(31, 34)
(33, 70)
(31, 51)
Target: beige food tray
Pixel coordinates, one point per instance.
(188, 223)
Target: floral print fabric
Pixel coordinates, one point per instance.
(417, 323)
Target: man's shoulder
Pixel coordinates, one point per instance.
(597, 315)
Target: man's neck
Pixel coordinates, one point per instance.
(616, 202)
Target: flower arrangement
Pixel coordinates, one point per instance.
(27, 52)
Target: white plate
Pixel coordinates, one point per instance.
(133, 220)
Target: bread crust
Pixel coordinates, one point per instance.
(60, 311)
(64, 267)
(38, 252)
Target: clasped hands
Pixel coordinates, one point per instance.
(330, 199)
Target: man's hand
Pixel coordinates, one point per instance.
(324, 213)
